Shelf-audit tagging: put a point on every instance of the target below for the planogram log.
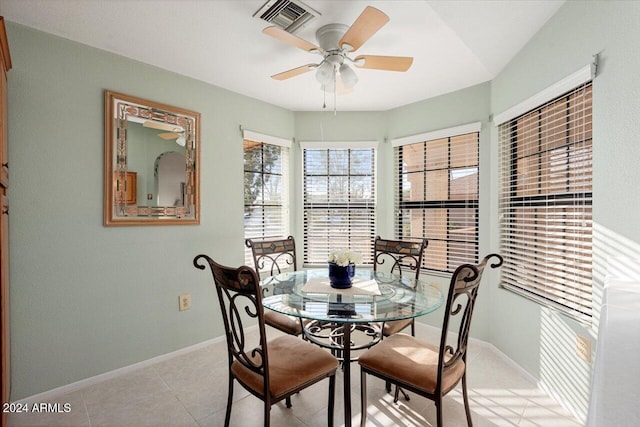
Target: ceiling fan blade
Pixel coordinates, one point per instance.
(294, 72)
(162, 126)
(169, 135)
(367, 24)
(282, 35)
(388, 63)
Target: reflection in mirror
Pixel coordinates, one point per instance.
(169, 178)
(152, 172)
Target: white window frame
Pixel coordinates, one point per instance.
(422, 138)
(545, 239)
(285, 145)
(366, 251)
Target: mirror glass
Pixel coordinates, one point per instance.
(152, 164)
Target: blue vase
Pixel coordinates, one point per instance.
(341, 277)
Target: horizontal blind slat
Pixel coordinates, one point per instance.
(545, 202)
(338, 202)
(266, 188)
(436, 197)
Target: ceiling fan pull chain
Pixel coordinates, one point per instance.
(324, 98)
(335, 91)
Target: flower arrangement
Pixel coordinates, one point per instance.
(344, 257)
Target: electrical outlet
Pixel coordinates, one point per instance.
(583, 348)
(184, 302)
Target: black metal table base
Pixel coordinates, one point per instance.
(333, 335)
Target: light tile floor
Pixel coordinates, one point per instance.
(191, 389)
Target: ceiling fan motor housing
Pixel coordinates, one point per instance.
(329, 35)
(335, 43)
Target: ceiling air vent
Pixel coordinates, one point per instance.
(286, 14)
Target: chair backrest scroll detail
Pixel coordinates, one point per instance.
(461, 299)
(400, 254)
(240, 305)
(273, 255)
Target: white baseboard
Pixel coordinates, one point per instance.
(75, 386)
(78, 385)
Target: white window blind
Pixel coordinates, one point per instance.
(266, 192)
(545, 202)
(436, 197)
(339, 201)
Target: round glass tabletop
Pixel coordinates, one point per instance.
(374, 296)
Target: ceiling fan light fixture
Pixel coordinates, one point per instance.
(349, 77)
(181, 140)
(328, 86)
(325, 73)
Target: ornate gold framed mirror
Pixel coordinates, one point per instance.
(151, 163)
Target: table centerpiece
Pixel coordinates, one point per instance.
(342, 267)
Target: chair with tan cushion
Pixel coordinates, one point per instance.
(271, 371)
(400, 257)
(271, 257)
(420, 367)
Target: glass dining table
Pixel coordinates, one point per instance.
(331, 316)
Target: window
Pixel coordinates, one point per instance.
(545, 202)
(339, 201)
(437, 195)
(266, 192)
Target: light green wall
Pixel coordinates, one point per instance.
(539, 339)
(86, 299)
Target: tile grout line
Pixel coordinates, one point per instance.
(86, 410)
(174, 393)
(118, 372)
(524, 411)
(307, 419)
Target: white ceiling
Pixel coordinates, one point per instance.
(455, 44)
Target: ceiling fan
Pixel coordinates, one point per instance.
(336, 42)
(173, 131)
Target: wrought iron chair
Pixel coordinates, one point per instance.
(399, 256)
(273, 256)
(273, 370)
(415, 365)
